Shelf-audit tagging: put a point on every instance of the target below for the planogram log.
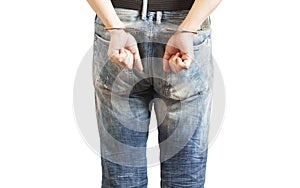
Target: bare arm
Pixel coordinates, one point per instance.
(200, 10)
(106, 12)
(179, 52)
(123, 48)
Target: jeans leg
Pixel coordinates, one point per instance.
(183, 142)
(123, 135)
(123, 116)
(183, 131)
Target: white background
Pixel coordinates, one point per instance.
(256, 45)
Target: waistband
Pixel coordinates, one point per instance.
(171, 17)
(154, 5)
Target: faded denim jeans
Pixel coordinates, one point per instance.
(124, 100)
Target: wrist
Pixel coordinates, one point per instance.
(115, 29)
(115, 25)
(188, 26)
(181, 30)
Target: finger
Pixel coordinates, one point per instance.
(113, 53)
(122, 55)
(129, 59)
(119, 58)
(124, 61)
(138, 64)
(173, 64)
(166, 57)
(176, 60)
(187, 63)
(137, 59)
(116, 59)
(175, 57)
(181, 64)
(187, 56)
(175, 68)
(187, 59)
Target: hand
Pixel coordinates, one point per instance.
(123, 49)
(179, 52)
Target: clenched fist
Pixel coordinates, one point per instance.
(179, 52)
(123, 49)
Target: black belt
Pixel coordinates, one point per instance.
(154, 5)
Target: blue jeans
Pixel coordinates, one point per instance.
(124, 100)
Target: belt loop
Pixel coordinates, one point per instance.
(144, 9)
(158, 17)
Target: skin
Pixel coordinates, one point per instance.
(174, 58)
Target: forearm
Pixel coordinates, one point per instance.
(200, 11)
(106, 12)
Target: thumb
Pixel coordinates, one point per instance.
(166, 66)
(166, 57)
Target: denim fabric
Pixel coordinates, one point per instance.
(124, 99)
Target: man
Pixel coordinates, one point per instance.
(145, 53)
